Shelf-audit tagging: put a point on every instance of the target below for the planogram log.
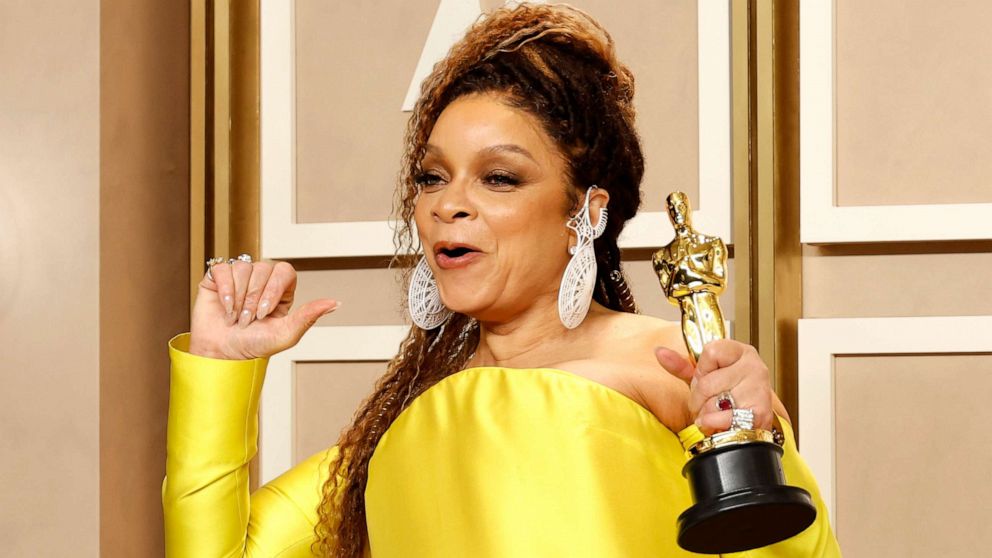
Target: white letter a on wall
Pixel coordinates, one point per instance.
(452, 19)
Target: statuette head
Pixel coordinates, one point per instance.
(679, 210)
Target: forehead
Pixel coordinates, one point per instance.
(474, 122)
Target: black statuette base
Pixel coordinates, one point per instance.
(742, 501)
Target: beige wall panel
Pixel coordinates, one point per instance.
(896, 284)
(652, 302)
(370, 296)
(354, 62)
(351, 84)
(49, 291)
(912, 455)
(327, 394)
(912, 93)
(144, 259)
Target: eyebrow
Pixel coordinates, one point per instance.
(492, 149)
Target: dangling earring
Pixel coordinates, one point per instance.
(424, 300)
(579, 279)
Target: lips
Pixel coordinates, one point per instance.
(454, 255)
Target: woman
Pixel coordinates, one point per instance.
(529, 411)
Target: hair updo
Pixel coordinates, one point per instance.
(559, 65)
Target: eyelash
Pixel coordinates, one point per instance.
(427, 179)
(496, 178)
(503, 179)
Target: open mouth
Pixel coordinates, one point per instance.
(450, 256)
(455, 252)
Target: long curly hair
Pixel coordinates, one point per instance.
(559, 65)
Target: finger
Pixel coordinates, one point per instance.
(711, 423)
(720, 353)
(278, 291)
(224, 285)
(675, 364)
(305, 316)
(710, 386)
(760, 406)
(242, 274)
(260, 273)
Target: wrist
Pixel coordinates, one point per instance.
(203, 350)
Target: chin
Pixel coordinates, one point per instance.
(469, 309)
(462, 302)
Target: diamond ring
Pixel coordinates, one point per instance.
(743, 419)
(210, 264)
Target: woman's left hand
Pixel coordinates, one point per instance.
(725, 365)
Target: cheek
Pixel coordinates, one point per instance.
(421, 218)
(533, 240)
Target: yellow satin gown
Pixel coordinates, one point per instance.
(490, 462)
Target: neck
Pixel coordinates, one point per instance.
(530, 339)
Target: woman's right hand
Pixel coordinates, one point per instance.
(243, 312)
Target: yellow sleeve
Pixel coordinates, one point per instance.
(213, 433)
(818, 540)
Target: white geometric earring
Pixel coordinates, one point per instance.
(424, 299)
(575, 293)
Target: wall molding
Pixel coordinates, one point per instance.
(283, 238)
(821, 340)
(278, 403)
(824, 222)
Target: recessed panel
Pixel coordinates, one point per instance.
(881, 285)
(368, 296)
(912, 455)
(327, 394)
(658, 40)
(355, 61)
(913, 85)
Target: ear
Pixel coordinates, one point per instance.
(598, 200)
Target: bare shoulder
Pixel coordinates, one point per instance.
(638, 331)
(623, 358)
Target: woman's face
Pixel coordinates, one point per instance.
(492, 209)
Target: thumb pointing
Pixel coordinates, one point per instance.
(675, 364)
(305, 316)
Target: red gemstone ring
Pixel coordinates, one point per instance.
(725, 402)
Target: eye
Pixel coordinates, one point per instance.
(501, 179)
(429, 180)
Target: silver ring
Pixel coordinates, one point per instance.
(725, 402)
(242, 258)
(743, 419)
(210, 264)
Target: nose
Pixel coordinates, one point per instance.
(453, 203)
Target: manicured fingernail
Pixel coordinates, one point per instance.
(229, 304)
(245, 319)
(263, 308)
(231, 318)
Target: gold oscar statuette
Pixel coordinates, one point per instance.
(740, 497)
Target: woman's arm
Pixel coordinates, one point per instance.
(213, 433)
